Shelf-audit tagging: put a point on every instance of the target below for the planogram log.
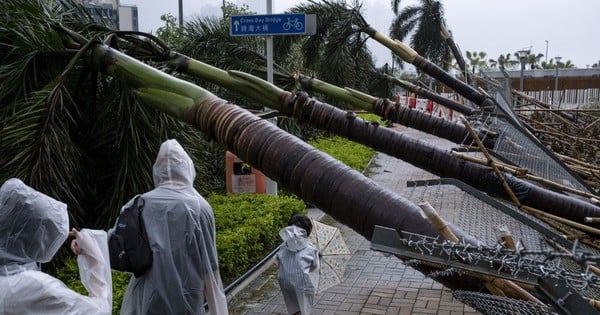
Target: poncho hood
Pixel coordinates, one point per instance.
(173, 166)
(33, 226)
(294, 238)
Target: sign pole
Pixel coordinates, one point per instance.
(269, 25)
(270, 47)
(271, 185)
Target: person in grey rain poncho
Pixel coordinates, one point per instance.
(298, 262)
(181, 231)
(33, 227)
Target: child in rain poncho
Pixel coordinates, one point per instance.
(33, 226)
(298, 262)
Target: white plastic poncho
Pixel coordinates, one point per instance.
(298, 272)
(33, 226)
(181, 230)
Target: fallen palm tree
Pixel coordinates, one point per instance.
(514, 142)
(345, 194)
(509, 144)
(420, 154)
(460, 60)
(403, 115)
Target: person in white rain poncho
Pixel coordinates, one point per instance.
(181, 231)
(33, 227)
(298, 262)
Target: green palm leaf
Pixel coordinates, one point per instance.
(424, 22)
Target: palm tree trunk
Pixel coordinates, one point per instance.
(434, 160)
(456, 53)
(345, 194)
(419, 154)
(403, 115)
(384, 108)
(409, 55)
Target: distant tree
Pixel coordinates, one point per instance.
(505, 62)
(170, 33)
(548, 64)
(533, 60)
(566, 65)
(477, 60)
(552, 64)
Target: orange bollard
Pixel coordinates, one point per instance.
(242, 178)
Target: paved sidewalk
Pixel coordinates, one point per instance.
(375, 282)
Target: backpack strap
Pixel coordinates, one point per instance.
(136, 202)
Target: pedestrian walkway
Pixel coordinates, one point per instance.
(375, 282)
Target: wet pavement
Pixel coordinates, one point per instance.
(374, 282)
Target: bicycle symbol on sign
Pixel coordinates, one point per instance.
(292, 23)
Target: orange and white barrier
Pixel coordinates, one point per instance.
(425, 105)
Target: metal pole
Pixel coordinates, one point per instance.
(270, 47)
(271, 185)
(556, 82)
(546, 50)
(181, 13)
(522, 74)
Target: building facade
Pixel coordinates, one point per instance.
(112, 14)
(128, 18)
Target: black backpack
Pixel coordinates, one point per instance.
(128, 245)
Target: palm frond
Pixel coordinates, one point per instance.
(37, 146)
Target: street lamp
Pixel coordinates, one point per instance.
(181, 14)
(522, 57)
(557, 58)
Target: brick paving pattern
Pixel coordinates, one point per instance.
(375, 282)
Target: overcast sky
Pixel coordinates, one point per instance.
(570, 29)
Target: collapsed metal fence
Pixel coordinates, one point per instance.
(542, 254)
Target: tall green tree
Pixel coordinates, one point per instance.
(170, 32)
(424, 23)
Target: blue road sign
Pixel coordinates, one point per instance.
(272, 24)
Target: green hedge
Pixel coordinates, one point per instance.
(247, 228)
(353, 154)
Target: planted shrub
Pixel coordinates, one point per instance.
(353, 154)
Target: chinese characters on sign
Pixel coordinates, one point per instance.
(272, 24)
